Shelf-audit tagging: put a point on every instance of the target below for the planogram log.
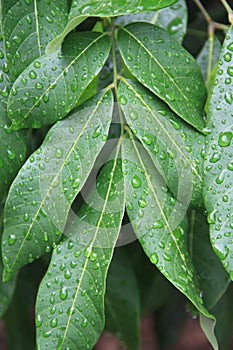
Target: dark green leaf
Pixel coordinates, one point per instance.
(80, 10)
(41, 195)
(214, 280)
(218, 167)
(28, 27)
(172, 18)
(208, 56)
(157, 219)
(12, 144)
(175, 148)
(52, 85)
(166, 68)
(122, 300)
(70, 303)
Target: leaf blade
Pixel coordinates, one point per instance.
(55, 172)
(165, 68)
(91, 256)
(41, 102)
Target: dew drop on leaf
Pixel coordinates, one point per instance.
(136, 181)
(225, 139)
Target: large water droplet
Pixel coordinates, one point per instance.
(136, 181)
(225, 138)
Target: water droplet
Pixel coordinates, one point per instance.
(174, 26)
(59, 153)
(123, 100)
(227, 57)
(230, 47)
(26, 217)
(147, 139)
(170, 96)
(38, 321)
(37, 64)
(39, 86)
(32, 74)
(63, 293)
(11, 154)
(53, 323)
(154, 258)
(133, 115)
(136, 181)
(158, 224)
(142, 203)
(76, 183)
(225, 138)
(84, 323)
(129, 57)
(167, 256)
(96, 132)
(230, 71)
(215, 158)
(11, 239)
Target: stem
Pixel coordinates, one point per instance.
(203, 11)
(229, 10)
(210, 57)
(115, 76)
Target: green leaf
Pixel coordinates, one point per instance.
(175, 148)
(213, 279)
(51, 86)
(80, 10)
(42, 193)
(157, 220)
(122, 300)
(70, 303)
(13, 145)
(218, 165)
(208, 56)
(166, 68)
(172, 18)
(28, 27)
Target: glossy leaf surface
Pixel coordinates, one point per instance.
(166, 68)
(41, 195)
(218, 167)
(70, 303)
(51, 86)
(172, 18)
(28, 27)
(175, 148)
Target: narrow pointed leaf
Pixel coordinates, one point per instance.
(80, 10)
(172, 18)
(158, 221)
(213, 279)
(28, 27)
(175, 148)
(208, 56)
(51, 86)
(166, 68)
(122, 301)
(42, 193)
(70, 303)
(218, 167)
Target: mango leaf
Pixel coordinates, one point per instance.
(51, 86)
(172, 18)
(208, 56)
(122, 302)
(218, 166)
(41, 195)
(162, 229)
(70, 302)
(166, 68)
(80, 10)
(213, 279)
(175, 148)
(13, 145)
(28, 27)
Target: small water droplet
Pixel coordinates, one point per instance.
(147, 139)
(123, 100)
(59, 153)
(32, 74)
(154, 258)
(136, 181)
(26, 217)
(11, 239)
(39, 86)
(225, 138)
(96, 132)
(63, 293)
(76, 183)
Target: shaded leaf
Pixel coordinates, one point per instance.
(80, 10)
(166, 68)
(162, 229)
(51, 86)
(122, 302)
(208, 56)
(28, 27)
(172, 18)
(175, 148)
(213, 279)
(42, 193)
(70, 303)
(218, 166)
(13, 145)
